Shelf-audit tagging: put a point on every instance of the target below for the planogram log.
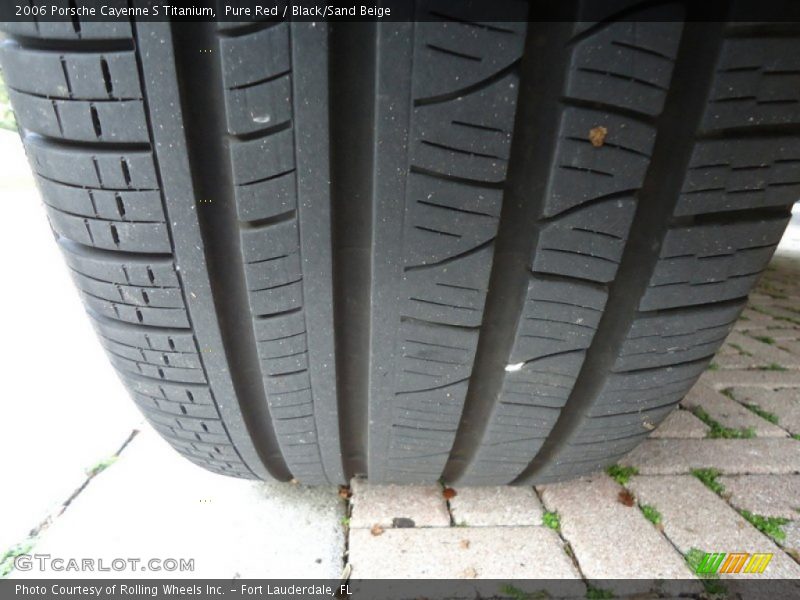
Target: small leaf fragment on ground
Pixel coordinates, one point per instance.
(449, 493)
(376, 529)
(464, 544)
(470, 573)
(626, 498)
(597, 135)
(344, 492)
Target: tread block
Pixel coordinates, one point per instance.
(558, 317)
(468, 137)
(262, 158)
(134, 295)
(453, 52)
(71, 76)
(683, 335)
(711, 263)
(756, 83)
(144, 315)
(123, 205)
(119, 268)
(100, 169)
(627, 64)
(268, 198)
(448, 218)
(114, 235)
(623, 426)
(646, 389)
(750, 173)
(588, 243)
(260, 105)
(120, 121)
(268, 243)
(452, 293)
(587, 173)
(271, 45)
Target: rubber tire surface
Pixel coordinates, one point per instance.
(494, 252)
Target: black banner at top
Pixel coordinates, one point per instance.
(70, 13)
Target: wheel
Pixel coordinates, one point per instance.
(490, 252)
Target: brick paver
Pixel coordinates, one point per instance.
(724, 379)
(783, 403)
(729, 413)
(608, 536)
(668, 457)
(769, 495)
(792, 345)
(462, 552)
(385, 505)
(496, 507)
(694, 517)
(792, 542)
(681, 424)
(752, 353)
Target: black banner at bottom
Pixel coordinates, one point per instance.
(409, 589)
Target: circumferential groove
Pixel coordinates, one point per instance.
(352, 55)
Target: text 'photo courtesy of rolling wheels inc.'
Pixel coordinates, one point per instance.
(400, 299)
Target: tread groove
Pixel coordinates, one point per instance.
(352, 74)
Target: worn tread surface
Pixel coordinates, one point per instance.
(392, 249)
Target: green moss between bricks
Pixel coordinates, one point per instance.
(7, 559)
(709, 479)
(517, 594)
(101, 465)
(772, 367)
(739, 349)
(552, 520)
(717, 430)
(622, 475)
(764, 414)
(595, 593)
(651, 513)
(771, 526)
